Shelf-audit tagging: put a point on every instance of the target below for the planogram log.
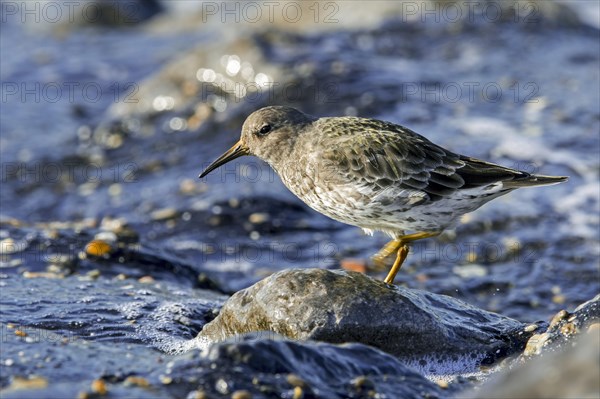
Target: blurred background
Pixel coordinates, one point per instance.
(110, 110)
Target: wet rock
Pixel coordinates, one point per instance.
(113, 13)
(564, 326)
(57, 250)
(203, 82)
(567, 365)
(338, 306)
(279, 367)
(161, 315)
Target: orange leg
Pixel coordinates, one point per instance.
(400, 257)
(380, 257)
(398, 245)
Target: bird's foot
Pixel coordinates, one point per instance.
(379, 259)
(400, 257)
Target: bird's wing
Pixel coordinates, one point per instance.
(384, 154)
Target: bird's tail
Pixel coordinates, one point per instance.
(534, 180)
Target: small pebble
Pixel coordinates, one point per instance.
(563, 314)
(114, 141)
(11, 263)
(164, 214)
(442, 384)
(94, 274)
(99, 386)
(221, 386)
(241, 394)
(535, 344)
(295, 381)
(9, 246)
(136, 381)
(166, 380)
(512, 244)
(97, 248)
(28, 274)
(115, 190)
(555, 289)
(53, 268)
(470, 271)
(471, 257)
(88, 188)
(530, 328)
(254, 235)
(146, 279)
(569, 329)
(106, 236)
(559, 299)
(32, 382)
(354, 265)
(197, 395)
(187, 187)
(257, 218)
(362, 382)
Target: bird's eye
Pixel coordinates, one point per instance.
(264, 130)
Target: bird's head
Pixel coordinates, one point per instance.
(269, 133)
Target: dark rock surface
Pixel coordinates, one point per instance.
(564, 326)
(563, 362)
(40, 363)
(339, 306)
(263, 368)
(569, 373)
(270, 368)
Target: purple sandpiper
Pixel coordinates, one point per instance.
(373, 174)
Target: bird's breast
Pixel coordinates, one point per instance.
(324, 191)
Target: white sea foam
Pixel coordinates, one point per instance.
(437, 370)
(575, 207)
(513, 144)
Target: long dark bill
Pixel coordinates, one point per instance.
(234, 152)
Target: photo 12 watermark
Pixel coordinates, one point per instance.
(215, 88)
(70, 91)
(265, 252)
(469, 251)
(60, 172)
(255, 12)
(69, 12)
(271, 12)
(469, 10)
(249, 170)
(10, 332)
(467, 92)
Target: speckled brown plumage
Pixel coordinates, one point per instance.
(374, 174)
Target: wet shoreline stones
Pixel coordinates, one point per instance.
(280, 367)
(438, 333)
(561, 362)
(441, 338)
